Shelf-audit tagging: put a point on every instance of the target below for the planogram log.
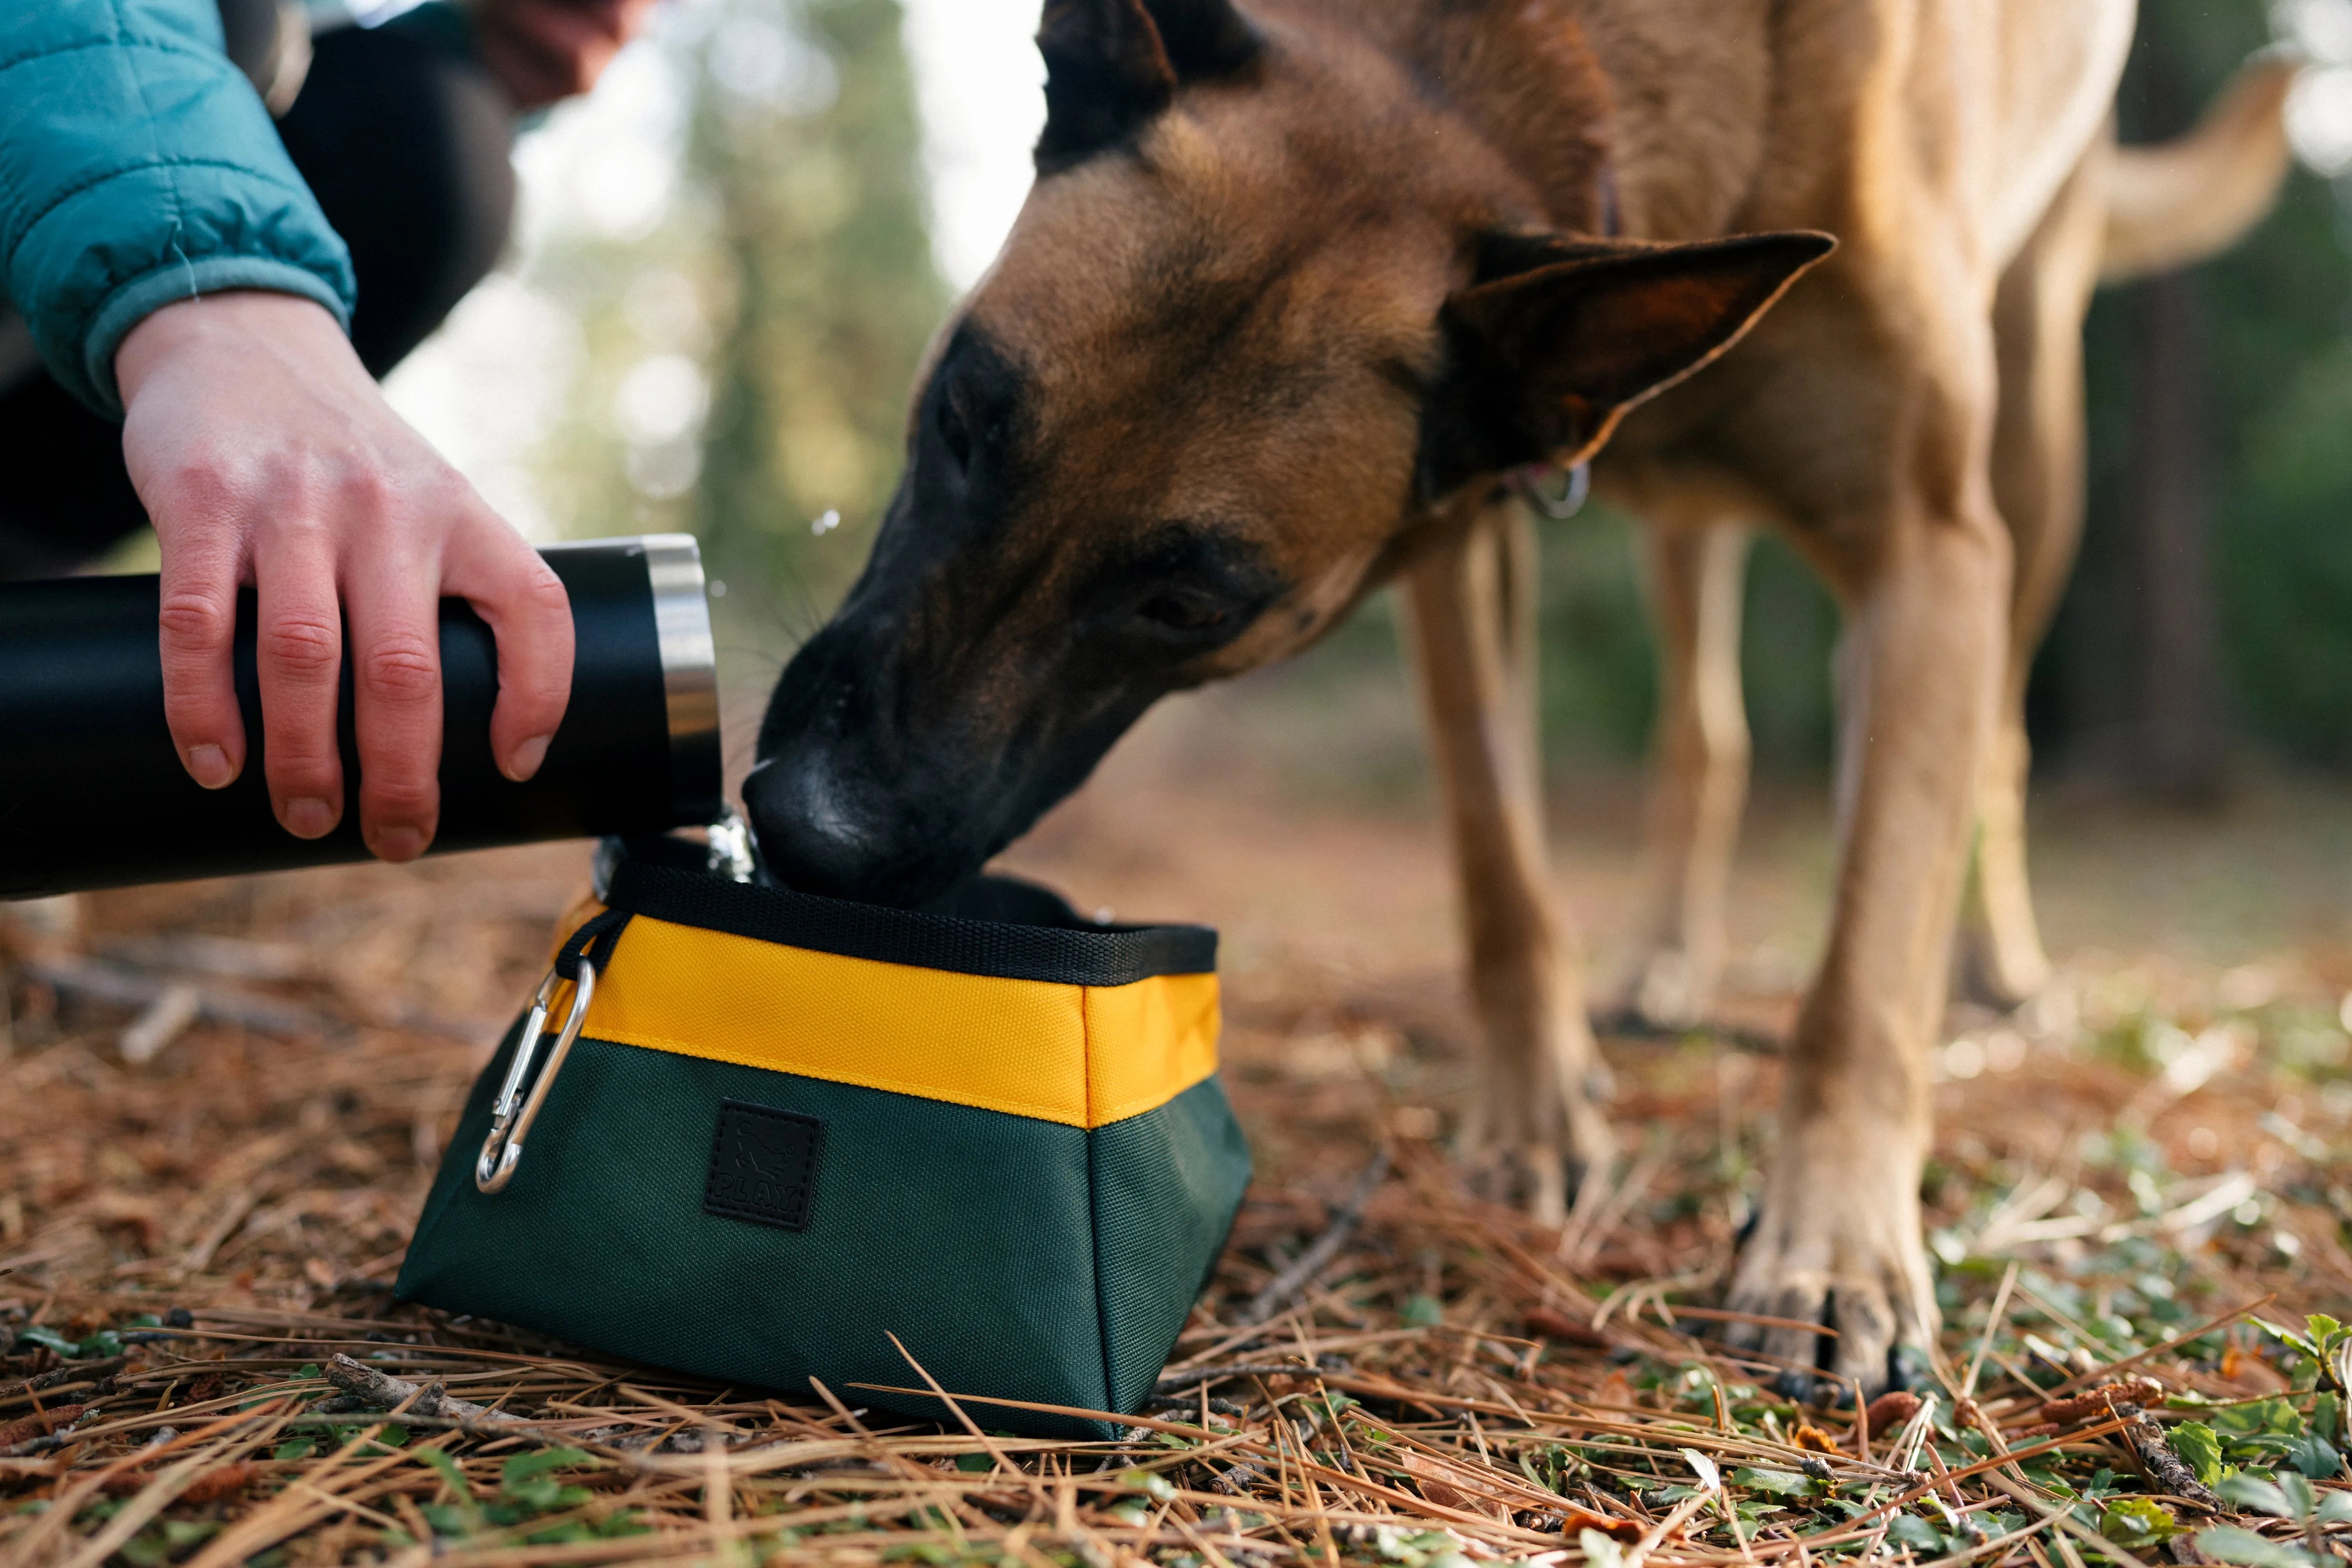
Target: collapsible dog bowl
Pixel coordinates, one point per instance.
(774, 1131)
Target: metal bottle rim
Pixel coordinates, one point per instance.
(689, 656)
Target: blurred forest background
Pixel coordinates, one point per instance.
(725, 337)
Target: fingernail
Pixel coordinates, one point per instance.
(208, 765)
(526, 758)
(309, 817)
(397, 844)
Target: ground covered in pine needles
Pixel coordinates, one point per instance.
(221, 1105)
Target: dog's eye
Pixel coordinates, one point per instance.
(1181, 612)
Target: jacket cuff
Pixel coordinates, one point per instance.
(134, 301)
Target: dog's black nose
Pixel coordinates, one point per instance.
(815, 832)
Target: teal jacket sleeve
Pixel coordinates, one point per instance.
(138, 167)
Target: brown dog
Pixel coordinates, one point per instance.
(1296, 285)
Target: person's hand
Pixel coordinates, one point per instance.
(544, 51)
(267, 457)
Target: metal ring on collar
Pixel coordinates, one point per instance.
(502, 1150)
(1575, 484)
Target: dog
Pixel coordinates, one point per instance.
(1300, 281)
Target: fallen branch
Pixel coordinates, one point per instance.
(363, 1382)
(73, 1372)
(130, 988)
(2163, 1466)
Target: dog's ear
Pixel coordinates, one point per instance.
(1555, 338)
(1112, 64)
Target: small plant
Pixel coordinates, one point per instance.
(2291, 1497)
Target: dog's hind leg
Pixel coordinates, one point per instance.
(2037, 478)
(1699, 783)
(1471, 620)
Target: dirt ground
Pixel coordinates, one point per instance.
(2156, 1142)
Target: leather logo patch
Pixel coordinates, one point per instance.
(763, 1165)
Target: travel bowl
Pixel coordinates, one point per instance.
(768, 1137)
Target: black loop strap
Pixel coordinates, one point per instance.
(1019, 944)
(595, 940)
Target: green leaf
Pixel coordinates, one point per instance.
(543, 1494)
(1914, 1533)
(2316, 1457)
(2258, 1496)
(2324, 1328)
(447, 1521)
(2328, 1416)
(528, 1467)
(2287, 1337)
(1423, 1312)
(973, 1464)
(2334, 1508)
(49, 1338)
(2264, 1417)
(1777, 1483)
(161, 1541)
(2234, 1544)
(296, 1448)
(442, 1465)
(2134, 1522)
(526, 1482)
(308, 1371)
(466, 1514)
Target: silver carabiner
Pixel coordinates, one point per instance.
(1575, 484)
(502, 1150)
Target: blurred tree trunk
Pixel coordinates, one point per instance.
(806, 137)
(2169, 508)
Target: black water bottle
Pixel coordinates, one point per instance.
(92, 794)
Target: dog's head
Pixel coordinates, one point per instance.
(1271, 304)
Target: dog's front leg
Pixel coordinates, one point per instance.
(1838, 1240)
(1472, 630)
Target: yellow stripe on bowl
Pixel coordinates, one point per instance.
(1081, 1056)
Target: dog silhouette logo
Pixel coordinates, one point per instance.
(763, 1165)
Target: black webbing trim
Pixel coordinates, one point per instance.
(1086, 955)
(595, 940)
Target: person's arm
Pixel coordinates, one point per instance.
(138, 167)
(174, 268)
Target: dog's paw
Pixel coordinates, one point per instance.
(2000, 975)
(1539, 1179)
(1837, 1243)
(1534, 1158)
(1668, 988)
